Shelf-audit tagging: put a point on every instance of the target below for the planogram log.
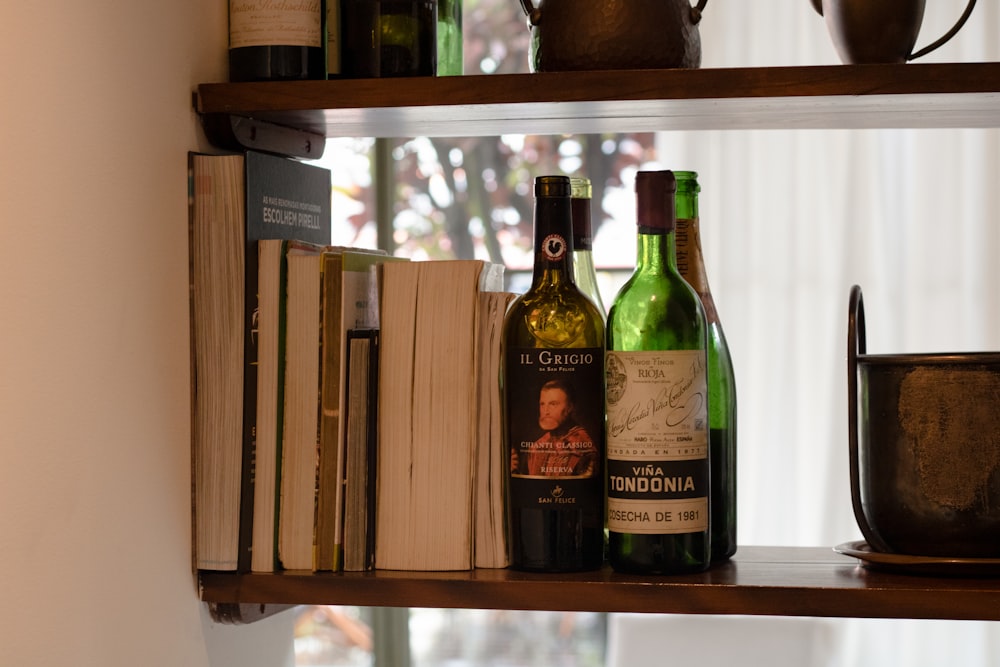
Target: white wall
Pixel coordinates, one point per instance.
(95, 123)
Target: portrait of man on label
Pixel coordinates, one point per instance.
(563, 447)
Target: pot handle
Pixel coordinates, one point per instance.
(695, 11)
(533, 13)
(856, 348)
(948, 35)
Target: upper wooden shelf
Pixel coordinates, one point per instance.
(778, 581)
(837, 96)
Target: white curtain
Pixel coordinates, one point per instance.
(790, 220)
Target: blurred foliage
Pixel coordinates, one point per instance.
(464, 197)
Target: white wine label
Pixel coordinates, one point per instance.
(275, 23)
(658, 518)
(657, 441)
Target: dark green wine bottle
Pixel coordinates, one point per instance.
(721, 379)
(553, 399)
(388, 38)
(657, 404)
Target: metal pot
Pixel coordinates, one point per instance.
(613, 34)
(880, 31)
(924, 448)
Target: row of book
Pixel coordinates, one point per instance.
(345, 410)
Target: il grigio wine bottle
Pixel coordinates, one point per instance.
(721, 378)
(657, 403)
(277, 41)
(553, 396)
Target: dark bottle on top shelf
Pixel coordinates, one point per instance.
(388, 38)
(721, 379)
(277, 42)
(553, 397)
(657, 412)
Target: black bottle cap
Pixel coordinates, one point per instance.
(553, 186)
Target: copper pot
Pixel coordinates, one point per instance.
(924, 448)
(879, 31)
(613, 34)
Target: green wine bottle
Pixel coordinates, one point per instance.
(721, 379)
(450, 51)
(583, 242)
(553, 397)
(657, 411)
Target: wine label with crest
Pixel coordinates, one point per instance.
(657, 442)
(268, 23)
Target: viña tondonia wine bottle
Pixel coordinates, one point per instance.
(721, 379)
(657, 403)
(553, 397)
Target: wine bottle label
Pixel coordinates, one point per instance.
(657, 442)
(690, 264)
(555, 430)
(275, 23)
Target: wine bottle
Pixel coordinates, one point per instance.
(721, 379)
(388, 38)
(553, 397)
(657, 427)
(450, 54)
(276, 41)
(583, 242)
(333, 37)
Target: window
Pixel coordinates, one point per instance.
(790, 219)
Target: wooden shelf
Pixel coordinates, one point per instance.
(775, 581)
(837, 96)
(294, 117)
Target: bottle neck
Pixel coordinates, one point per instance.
(553, 241)
(655, 217)
(655, 251)
(583, 238)
(690, 263)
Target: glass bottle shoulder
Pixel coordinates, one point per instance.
(656, 312)
(553, 316)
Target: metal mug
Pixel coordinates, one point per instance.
(880, 31)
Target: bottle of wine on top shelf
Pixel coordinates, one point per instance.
(553, 397)
(657, 412)
(277, 41)
(721, 379)
(450, 51)
(388, 38)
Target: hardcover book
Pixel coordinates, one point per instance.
(327, 293)
(235, 201)
(360, 449)
(350, 301)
